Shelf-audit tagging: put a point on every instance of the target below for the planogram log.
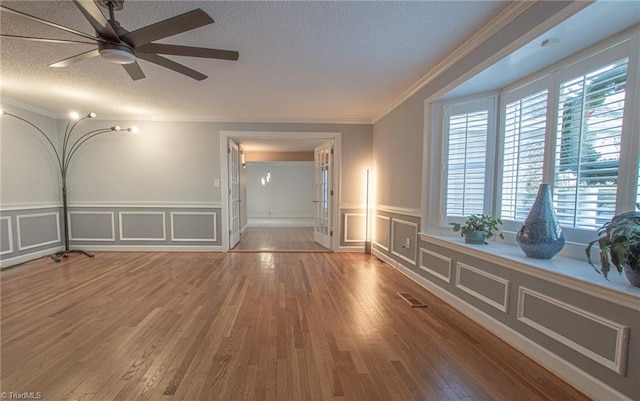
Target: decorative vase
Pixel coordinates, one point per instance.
(541, 236)
(474, 237)
(633, 275)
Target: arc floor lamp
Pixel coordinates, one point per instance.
(70, 145)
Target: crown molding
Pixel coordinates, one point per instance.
(510, 13)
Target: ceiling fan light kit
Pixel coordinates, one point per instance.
(117, 53)
(117, 45)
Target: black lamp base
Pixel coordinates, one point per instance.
(56, 256)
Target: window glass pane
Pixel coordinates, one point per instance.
(589, 131)
(523, 154)
(466, 163)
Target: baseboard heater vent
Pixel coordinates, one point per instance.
(411, 300)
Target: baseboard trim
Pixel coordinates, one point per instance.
(153, 248)
(4, 263)
(582, 381)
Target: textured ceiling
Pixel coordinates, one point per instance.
(299, 61)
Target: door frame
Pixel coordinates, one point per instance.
(237, 136)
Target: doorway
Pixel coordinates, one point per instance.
(324, 181)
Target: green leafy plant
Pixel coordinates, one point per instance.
(619, 243)
(479, 222)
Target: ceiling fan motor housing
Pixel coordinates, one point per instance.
(118, 53)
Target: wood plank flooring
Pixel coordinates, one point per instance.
(282, 239)
(247, 326)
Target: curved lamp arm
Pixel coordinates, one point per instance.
(68, 131)
(60, 161)
(84, 138)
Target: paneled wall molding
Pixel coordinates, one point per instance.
(501, 306)
(617, 364)
(206, 217)
(162, 235)
(400, 210)
(348, 236)
(20, 230)
(9, 235)
(146, 205)
(92, 213)
(7, 207)
(562, 368)
(444, 277)
(414, 239)
(569, 273)
(386, 224)
(344, 205)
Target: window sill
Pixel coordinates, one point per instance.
(560, 270)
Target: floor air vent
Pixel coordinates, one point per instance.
(411, 300)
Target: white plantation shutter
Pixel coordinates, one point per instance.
(466, 163)
(590, 113)
(523, 154)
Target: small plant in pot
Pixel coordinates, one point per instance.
(478, 228)
(619, 243)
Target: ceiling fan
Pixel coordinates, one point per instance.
(117, 45)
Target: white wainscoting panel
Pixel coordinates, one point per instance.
(111, 229)
(445, 277)
(8, 235)
(53, 221)
(160, 235)
(354, 227)
(381, 225)
(502, 306)
(207, 219)
(414, 238)
(618, 364)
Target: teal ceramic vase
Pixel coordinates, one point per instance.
(541, 236)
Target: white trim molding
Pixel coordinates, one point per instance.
(400, 210)
(375, 230)
(28, 216)
(215, 226)
(112, 220)
(433, 272)
(346, 227)
(148, 205)
(164, 229)
(618, 364)
(593, 387)
(501, 306)
(415, 239)
(9, 234)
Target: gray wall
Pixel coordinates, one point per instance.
(123, 183)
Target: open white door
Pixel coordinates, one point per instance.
(233, 156)
(323, 168)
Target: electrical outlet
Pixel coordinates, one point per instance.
(407, 243)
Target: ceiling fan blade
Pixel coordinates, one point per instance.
(97, 20)
(78, 57)
(134, 70)
(34, 39)
(189, 51)
(45, 22)
(169, 27)
(172, 65)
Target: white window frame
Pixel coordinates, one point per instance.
(611, 50)
(462, 106)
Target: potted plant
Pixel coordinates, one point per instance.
(619, 243)
(478, 228)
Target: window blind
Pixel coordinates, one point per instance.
(590, 113)
(523, 154)
(466, 163)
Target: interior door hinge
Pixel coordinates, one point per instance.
(229, 192)
(228, 150)
(331, 233)
(332, 192)
(331, 150)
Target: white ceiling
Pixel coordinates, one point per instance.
(299, 61)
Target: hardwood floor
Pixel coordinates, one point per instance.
(282, 239)
(247, 326)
